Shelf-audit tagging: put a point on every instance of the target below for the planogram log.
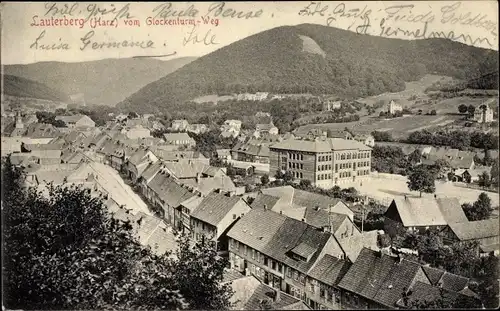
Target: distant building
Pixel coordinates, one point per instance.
(179, 125)
(230, 128)
(77, 121)
(323, 161)
(484, 231)
(265, 129)
(137, 132)
(484, 113)
(214, 215)
(259, 96)
(197, 128)
(330, 104)
(178, 139)
(366, 139)
(394, 107)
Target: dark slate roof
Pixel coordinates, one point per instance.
(168, 190)
(470, 230)
(379, 277)
(264, 199)
(151, 170)
(257, 228)
(453, 282)
(329, 270)
(215, 207)
(263, 292)
(433, 274)
(291, 234)
(231, 275)
(319, 218)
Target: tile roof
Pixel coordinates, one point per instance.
(42, 130)
(453, 282)
(32, 147)
(214, 207)
(479, 229)
(169, 190)
(205, 185)
(354, 244)
(257, 228)
(433, 274)
(419, 211)
(231, 275)
(263, 200)
(329, 270)
(264, 292)
(320, 145)
(170, 137)
(451, 209)
(185, 169)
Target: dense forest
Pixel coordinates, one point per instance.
(20, 87)
(274, 61)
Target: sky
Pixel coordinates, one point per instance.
(25, 39)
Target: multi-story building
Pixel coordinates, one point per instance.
(179, 125)
(325, 162)
(484, 113)
(394, 107)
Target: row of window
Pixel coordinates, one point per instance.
(256, 255)
(326, 167)
(324, 158)
(348, 156)
(297, 174)
(344, 174)
(324, 176)
(363, 172)
(295, 156)
(296, 275)
(295, 165)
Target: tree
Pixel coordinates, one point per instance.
(471, 109)
(264, 179)
(305, 184)
(494, 173)
(462, 108)
(484, 180)
(422, 180)
(415, 157)
(81, 258)
(132, 115)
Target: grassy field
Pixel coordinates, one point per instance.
(398, 127)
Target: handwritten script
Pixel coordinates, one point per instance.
(403, 21)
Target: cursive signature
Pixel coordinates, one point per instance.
(194, 38)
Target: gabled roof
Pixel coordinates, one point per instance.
(419, 211)
(320, 145)
(214, 207)
(471, 230)
(31, 147)
(168, 190)
(451, 209)
(177, 137)
(329, 270)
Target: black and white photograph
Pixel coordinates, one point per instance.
(250, 155)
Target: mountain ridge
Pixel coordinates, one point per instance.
(354, 65)
(26, 88)
(104, 82)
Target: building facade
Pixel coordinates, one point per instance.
(325, 162)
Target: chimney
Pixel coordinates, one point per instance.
(277, 296)
(198, 176)
(316, 207)
(281, 212)
(265, 208)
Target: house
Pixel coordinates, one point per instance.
(166, 195)
(179, 125)
(331, 104)
(325, 162)
(366, 139)
(138, 162)
(250, 294)
(231, 126)
(251, 151)
(484, 113)
(197, 128)
(179, 156)
(40, 133)
(284, 253)
(224, 154)
(214, 215)
(265, 129)
(10, 145)
(179, 139)
(258, 96)
(484, 231)
(137, 132)
(299, 204)
(413, 213)
(394, 107)
(455, 158)
(76, 121)
(470, 176)
(377, 281)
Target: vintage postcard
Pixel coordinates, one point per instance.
(258, 155)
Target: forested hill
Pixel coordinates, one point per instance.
(101, 82)
(20, 87)
(312, 58)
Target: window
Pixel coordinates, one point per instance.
(265, 261)
(245, 250)
(289, 273)
(258, 256)
(234, 216)
(300, 175)
(354, 156)
(295, 275)
(301, 166)
(289, 164)
(336, 168)
(231, 243)
(301, 157)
